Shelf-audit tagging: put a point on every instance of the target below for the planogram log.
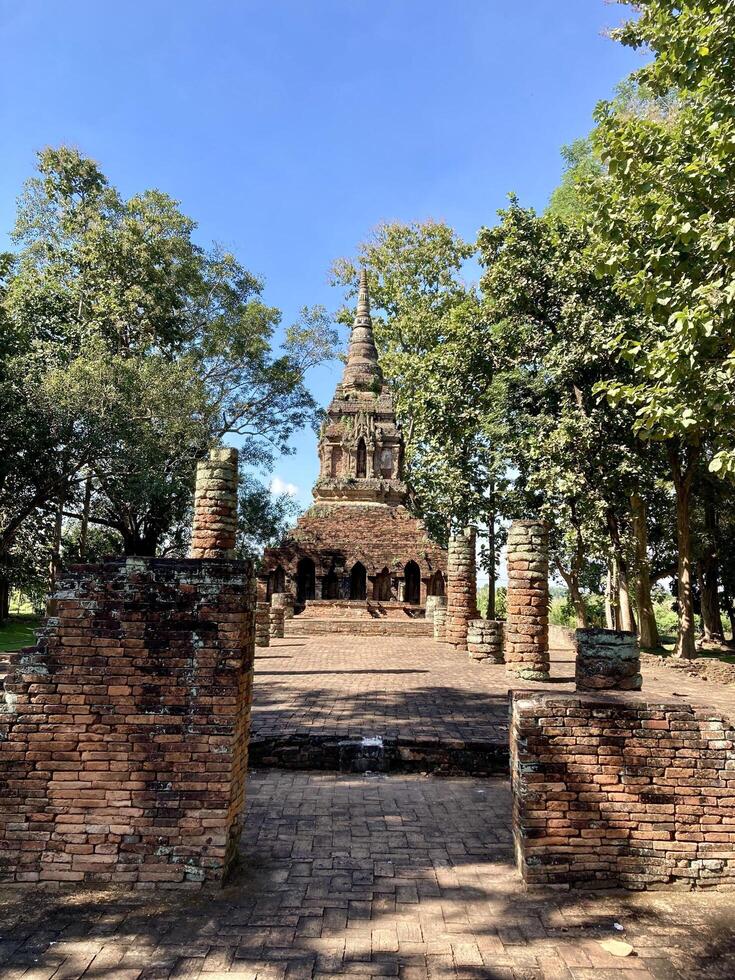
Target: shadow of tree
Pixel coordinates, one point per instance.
(390, 873)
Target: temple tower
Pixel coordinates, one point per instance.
(358, 545)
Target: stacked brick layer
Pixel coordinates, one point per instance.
(215, 506)
(607, 660)
(622, 793)
(527, 627)
(285, 601)
(262, 624)
(461, 587)
(123, 733)
(277, 619)
(485, 640)
(440, 622)
(434, 602)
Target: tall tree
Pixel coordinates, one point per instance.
(133, 350)
(663, 214)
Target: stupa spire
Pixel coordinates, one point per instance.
(362, 369)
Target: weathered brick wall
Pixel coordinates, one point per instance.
(378, 537)
(616, 791)
(123, 733)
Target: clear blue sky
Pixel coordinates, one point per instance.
(289, 128)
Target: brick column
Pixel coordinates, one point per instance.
(215, 506)
(440, 621)
(262, 614)
(461, 587)
(276, 621)
(527, 628)
(485, 640)
(607, 660)
(285, 601)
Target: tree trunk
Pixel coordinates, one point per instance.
(647, 627)
(4, 598)
(610, 598)
(709, 575)
(575, 595)
(491, 570)
(683, 472)
(84, 526)
(626, 619)
(55, 562)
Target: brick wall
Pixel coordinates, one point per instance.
(621, 792)
(123, 733)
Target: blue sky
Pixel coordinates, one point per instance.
(289, 129)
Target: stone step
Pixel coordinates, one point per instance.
(363, 754)
(357, 627)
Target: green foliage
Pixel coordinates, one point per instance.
(664, 219)
(18, 632)
(131, 350)
(580, 164)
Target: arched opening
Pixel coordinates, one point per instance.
(305, 580)
(335, 462)
(361, 458)
(279, 579)
(330, 585)
(381, 586)
(412, 577)
(436, 584)
(358, 581)
(386, 464)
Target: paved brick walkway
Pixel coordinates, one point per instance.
(387, 686)
(397, 876)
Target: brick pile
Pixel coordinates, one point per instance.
(622, 793)
(123, 733)
(461, 587)
(485, 640)
(527, 627)
(607, 660)
(215, 506)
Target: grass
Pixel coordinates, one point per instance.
(17, 632)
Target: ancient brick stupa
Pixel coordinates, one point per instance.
(358, 555)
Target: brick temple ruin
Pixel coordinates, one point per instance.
(358, 560)
(124, 731)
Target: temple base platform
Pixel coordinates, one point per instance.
(366, 617)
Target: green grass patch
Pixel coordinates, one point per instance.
(18, 632)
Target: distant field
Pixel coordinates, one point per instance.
(18, 632)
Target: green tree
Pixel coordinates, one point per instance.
(576, 459)
(133, 350)
(663, 216)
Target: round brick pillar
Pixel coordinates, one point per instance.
(276, 622)
(527, 627)
(440, 622)
(262, 624)
(461, 587)
(285, 601)
(485, 640)
(215, 506)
